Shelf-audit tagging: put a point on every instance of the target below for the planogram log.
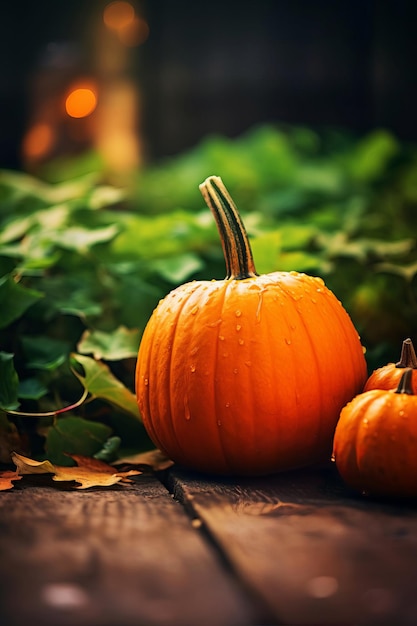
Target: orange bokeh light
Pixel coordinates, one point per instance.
(38, 141)
(81, 102)
(118, 14)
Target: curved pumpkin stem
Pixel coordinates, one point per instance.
(405, 384)
(236, 247)
(408, 355)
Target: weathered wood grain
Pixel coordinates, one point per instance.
(312, 551)
(117, 557)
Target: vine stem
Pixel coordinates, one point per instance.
(51, 413)
(235, 242)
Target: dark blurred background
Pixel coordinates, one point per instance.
(198, 68)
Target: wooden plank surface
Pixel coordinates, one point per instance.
(116, 557)
(312, 551)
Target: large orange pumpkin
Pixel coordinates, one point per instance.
(246, 375)
(388, 376)
(375, 443)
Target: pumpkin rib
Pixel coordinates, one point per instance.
(313, 353)
(277, 377)
(346, 451)
(232, 427)
(221, 442)
(160, 421)
(363, 427)
(166, 393)
(375, 465)
(180, 372)
(354, 450)
(166, 423)
(199, 396)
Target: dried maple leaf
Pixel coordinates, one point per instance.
(88, 472)
(155, 459)
(90, 478)
(25, 465)
(6, 479)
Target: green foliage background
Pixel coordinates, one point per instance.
(83, 263)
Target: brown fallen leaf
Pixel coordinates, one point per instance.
(91, 463)
(25, 465)
(90, 478)
(88, 472)
(6, 479)
(154, 459)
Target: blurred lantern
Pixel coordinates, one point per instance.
(73, 110)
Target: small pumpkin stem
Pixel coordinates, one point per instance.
(405, 384)
(236, 247)
(408, 355)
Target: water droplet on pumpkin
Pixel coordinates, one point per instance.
(241, 342)
(227, 405)
(194, 351)
(221, 337)
(238, 313)
(313, 300)
(235, 371)
(194, 310)
(192, 368)
(248, 363)
(187, 413)
(146, 382)
(238, 327)
(214, 324)
(219, 423)
(402, 414)
(333, 458)
(259, 308)
(288, 342)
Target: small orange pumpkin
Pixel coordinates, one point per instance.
(375, 442)
(246, 375)
(388, 376)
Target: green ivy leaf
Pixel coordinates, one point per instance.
(9, 382)
(73, 294)
(101, 383)
(15, 300)
(179, 268)
(44, 353)
(75, 435)
(81, 239)
(122, 343)
(31, 389)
